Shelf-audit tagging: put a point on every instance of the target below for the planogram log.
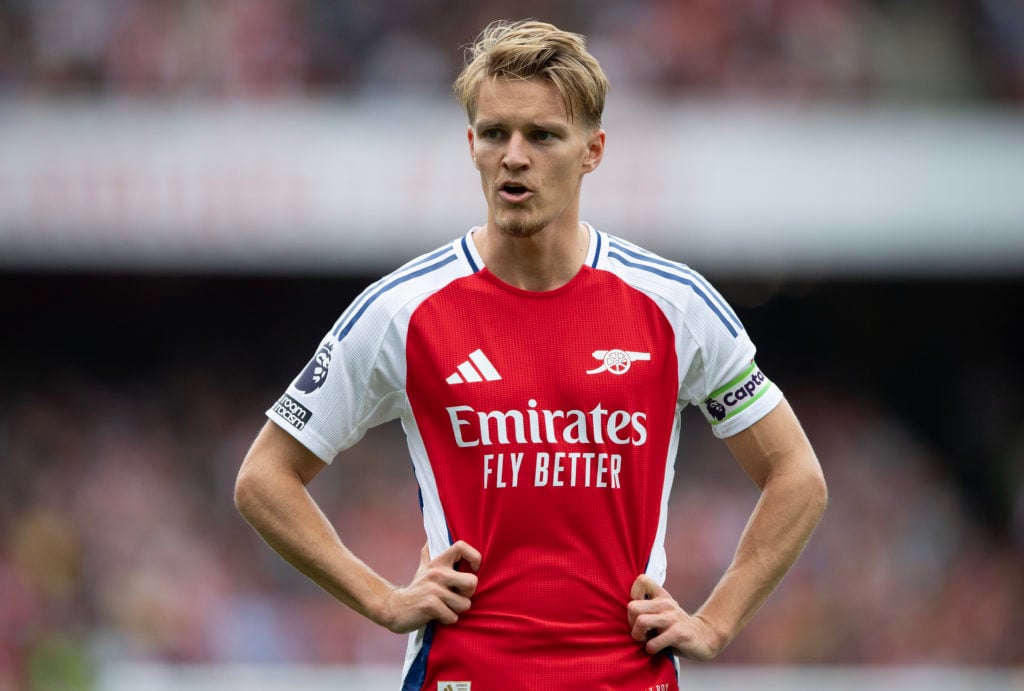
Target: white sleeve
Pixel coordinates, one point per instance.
(354, 381)
(721, 378)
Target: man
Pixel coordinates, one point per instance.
(539, 367)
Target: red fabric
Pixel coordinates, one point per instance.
(557, 561)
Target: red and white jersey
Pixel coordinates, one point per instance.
(543, 429)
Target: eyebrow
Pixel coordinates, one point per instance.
(548, 126)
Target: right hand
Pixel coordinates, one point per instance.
(437, 592)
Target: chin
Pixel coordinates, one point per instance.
(520, 227)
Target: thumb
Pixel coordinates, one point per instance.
(424, 556)
(645, 588)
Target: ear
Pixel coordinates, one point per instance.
(472, 144)
(595, 151)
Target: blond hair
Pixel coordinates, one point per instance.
(530, 49)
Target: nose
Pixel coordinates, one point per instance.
(516, 155)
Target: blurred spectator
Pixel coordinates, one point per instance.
(843, 50)
(118, 536)
(120, 540)
(1000, 40)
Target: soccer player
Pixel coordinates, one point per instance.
(539, 367)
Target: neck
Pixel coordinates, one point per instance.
(544, 261)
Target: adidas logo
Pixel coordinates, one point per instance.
(476, 368)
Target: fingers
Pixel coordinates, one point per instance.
(452, 605)
(643, 594)
(659, 642)
(461, 551)
(650, 613)
(439, 591)
(443, 569)
(649, 627)
(440, 579)
(657, 621)
(462, 583)
(442, 609)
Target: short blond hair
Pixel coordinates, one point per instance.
(529, 49)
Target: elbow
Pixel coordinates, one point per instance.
(246, 491)
(817, 491)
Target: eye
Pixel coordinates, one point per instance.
(492, 133)
(543, 136)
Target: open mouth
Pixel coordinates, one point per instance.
(513, 192)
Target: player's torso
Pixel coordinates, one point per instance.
(547, 421)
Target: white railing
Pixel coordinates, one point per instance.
(147, 677)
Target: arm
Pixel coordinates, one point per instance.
(270, 492)
(777, 456)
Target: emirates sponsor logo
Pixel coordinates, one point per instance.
(536, 425)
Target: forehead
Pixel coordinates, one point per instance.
(519, 100)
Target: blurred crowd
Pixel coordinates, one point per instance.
(120, 541)
(903, 50)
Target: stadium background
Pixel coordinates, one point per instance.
(141, 343)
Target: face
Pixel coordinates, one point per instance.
(530, 155)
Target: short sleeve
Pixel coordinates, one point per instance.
(722, 379)
(353, 382)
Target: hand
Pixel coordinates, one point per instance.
(659, 620)
(437, 592)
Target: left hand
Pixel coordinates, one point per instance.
(658, 619)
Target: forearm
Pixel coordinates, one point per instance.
(284, 514)
(790, 507)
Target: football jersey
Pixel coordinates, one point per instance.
(543, 429)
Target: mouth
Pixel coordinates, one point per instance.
(514, 192)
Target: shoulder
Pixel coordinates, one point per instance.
(634, 263)
(674, 285)
(407, 285)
